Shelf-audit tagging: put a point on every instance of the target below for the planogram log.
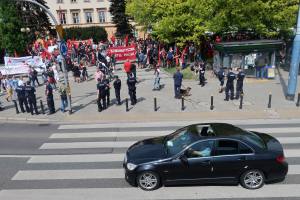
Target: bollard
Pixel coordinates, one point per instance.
(241, 101)
(298, 100)
(211, 102)
(270, 101)
(16, 106)
(155, 104)
(182, 103)
(127, 109)
(42, 107)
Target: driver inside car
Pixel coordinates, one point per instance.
(203, 153)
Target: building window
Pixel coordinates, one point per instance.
(89, 16)
(73, 1)
(60, 1)
(62, 17)
(75, 17)
(102, 16)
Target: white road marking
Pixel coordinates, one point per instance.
(176, 193)
(79, 158)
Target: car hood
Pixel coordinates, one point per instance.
(147, 151)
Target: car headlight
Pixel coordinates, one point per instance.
(131, 166)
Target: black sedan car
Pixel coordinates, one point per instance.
(215, 153)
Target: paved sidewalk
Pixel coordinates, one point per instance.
(197, 106)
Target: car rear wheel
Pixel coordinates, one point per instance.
(252, 179)
(148, 180)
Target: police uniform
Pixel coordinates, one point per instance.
(107, 91)
(201, 76)
(240, 84)
(102, 95)
(31, 98)
(230, 86)
(117, 86)
(50, 100)
(131, 81)
(22, 98)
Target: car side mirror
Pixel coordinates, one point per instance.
(183, 159)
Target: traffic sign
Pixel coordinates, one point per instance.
(63, 48)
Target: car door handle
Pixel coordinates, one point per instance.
(206, 162)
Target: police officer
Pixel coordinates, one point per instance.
(50, 100)
(131, 82)
(240, 83)
(230, 85)
(31, 98)
(101, 95)
(178, 76)
(22, 98)
(117, 86)
(201, 76)
(221, 77)
(107, 90)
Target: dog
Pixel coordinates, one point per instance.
(185, 92)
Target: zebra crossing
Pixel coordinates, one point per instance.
(84, 162)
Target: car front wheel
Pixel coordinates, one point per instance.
(148, 180)
(252, 179)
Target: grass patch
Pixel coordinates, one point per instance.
(187, 73)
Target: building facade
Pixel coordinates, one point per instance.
(82, 13)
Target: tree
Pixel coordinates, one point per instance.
(188, 20)
(120, 19)
(15, 15)
(11, 38)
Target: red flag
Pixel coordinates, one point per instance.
(126, 40)
(177, 60)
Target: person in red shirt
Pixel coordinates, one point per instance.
(127, 67)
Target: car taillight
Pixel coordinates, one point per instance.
(280, 159)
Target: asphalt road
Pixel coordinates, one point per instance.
(48, 161)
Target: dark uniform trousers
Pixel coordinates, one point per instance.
(22, 102)
(32, 105)
(202, 78)
(132, 94)
(229, 88)
(101, 106)
(118, 96)
(50, 103)
(239, 89)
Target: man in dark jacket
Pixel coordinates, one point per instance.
(101, 95)
(22, 98)
(117, 86)
(230, 85)
(178, 76)
(131, 82)
(31, 98)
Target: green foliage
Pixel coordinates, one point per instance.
(96, 32)
(11, 38)
(119, 17)
(187, 20)
(187, 73)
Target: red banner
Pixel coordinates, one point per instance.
(123, 53)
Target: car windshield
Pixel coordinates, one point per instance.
(180, 139)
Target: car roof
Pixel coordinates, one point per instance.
(224, 129)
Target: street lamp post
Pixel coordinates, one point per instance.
(59, 40)
(294, 69)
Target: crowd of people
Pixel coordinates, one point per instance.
(82, 56)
